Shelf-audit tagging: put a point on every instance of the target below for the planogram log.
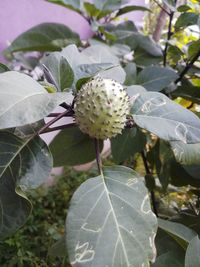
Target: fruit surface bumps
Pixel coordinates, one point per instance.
(101, 108)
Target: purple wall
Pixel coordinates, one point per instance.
(18, 16)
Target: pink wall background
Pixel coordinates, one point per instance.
(17, 16)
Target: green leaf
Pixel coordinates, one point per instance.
(71, 4)
(143, 59)
(183, 8)
(60, 70)
(193, 49)
(110, 222)
(131, 73)
(58, 249)
(188, 91)
(186, 153)
(155, 78)
(3, 68)
(24, 164)
(24, 101)
(186, 19)
(151, 110)
(127, 144)
(72, 147)
(127, 9)
(182, 234)
(92, 11)
(111, 5)
(44, 37)
(192, 256)
(93, 60)
(170, 254)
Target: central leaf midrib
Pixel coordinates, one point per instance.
(115, 219)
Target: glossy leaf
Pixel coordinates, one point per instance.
(192, 257)
(127, 144)
(60, 70)
(24, 101)
(24, 164)
(72, 147)
(151, 110)
(110, 222)
(155, 78)
(44, 37)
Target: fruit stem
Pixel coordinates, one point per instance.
(98, 156)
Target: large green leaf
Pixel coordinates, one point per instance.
(182, 234)
(110, 222)
(186, 153)
(24, 164)
(143, 59)
(93, 60)
(158, 114)
(168, 259)
(155, 78)
(60, 70)
(131, 72)
(192, 257)
(72, 147)
(44, 37)
(24, 101)
(127, 144)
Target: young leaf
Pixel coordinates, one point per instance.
(110, 222)
(127, 9)
(44, 37)
(192, 257)
(158, 114)
(60, 70)
(72, 147)
(24, 164)
(24, 101)
(155, 78)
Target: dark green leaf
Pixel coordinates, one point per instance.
(110, 222)
(193, 49)
(72, 147)
(182, 234)
(131, 73)
(127, 9)
(183, 8)
(155, 78)
(3, 68)
(92, 11)
(174, 53)
(58, 249)
(192, 257)
(127, 144)
(143, 59)
(44, 37)
(186, 19)
(151, 110)
(24, 101)
(24, 164)
(60, 70)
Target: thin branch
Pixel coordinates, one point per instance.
(98, 156)
(147, 169)
(56, 114)
(46, 126)
(187, 67)
(69, 125)
(162, 7)
(169, 34)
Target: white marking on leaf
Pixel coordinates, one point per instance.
(178, 153)
(83, 253)
(153, 104)
(181, 132)
(144, 205)
(131, 181)
(89, 229)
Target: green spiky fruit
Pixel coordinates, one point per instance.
(101, 108)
